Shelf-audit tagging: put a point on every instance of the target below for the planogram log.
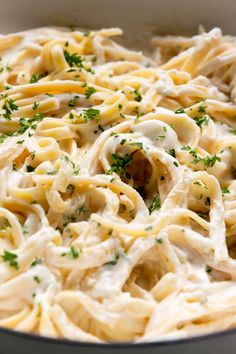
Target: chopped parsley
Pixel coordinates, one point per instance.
(208, 269)
(179, 110)
(202, 108)
(200, 183)
(148, 228)
(202, 215)
(202, 117)
(73, 253)
(36, 262)
(52, 173)
(14, 166)
(201, 120)
(81, 209)
(30, 168)
(37, 279)
(25, 230)
(225, 190)
(171, 152)
(137, 144)
(73, 101)
(89, 91)
(137, 96)
(91, 113)
(113, 261)
(2, 138)
(73, 59)
(188, 148)
(68, 220)
(208, 201)
(119, 162)
(9, 106)
(100, 127)
(208, 161)
(162, 136)
(29, 123)
(121, 253)
(32, 155)
(123, 141)
(11, 258)
(35, 78)
(155, 204)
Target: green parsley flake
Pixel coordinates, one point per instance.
(179, 111)
(119, 162)
(208, 161)
(9, 106)
(73, 253)
(11, 258)
(30, 168)
(155, 204)
(36, 262)
(89, 91)
(232, 131)
(68, 220)
(91, 113)
(37, 279)
(171, 152)
(225, 190)
(35, 78)
(137, 96)
(137, 144)
(208, 269)
(123, 141)
(202, 118)
(73, 59)
(73, 101)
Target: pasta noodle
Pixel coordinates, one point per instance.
(117, 185)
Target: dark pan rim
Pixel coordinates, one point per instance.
(166, 343)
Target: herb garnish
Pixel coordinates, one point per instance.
(73, 253)
(155, 204)
(37, 279)
(225, 190)
(89, 91)
(68, 219)
(35, 78)
(202, 117)
(171, 152)
(179, 111)
(73, 101)
(11, 258)
(119, 162)
(137, 96)
(91, 113)
(208, 161)
(36, 262)
(73, 59)
(9, 106)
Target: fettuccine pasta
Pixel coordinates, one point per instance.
(117, 185)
